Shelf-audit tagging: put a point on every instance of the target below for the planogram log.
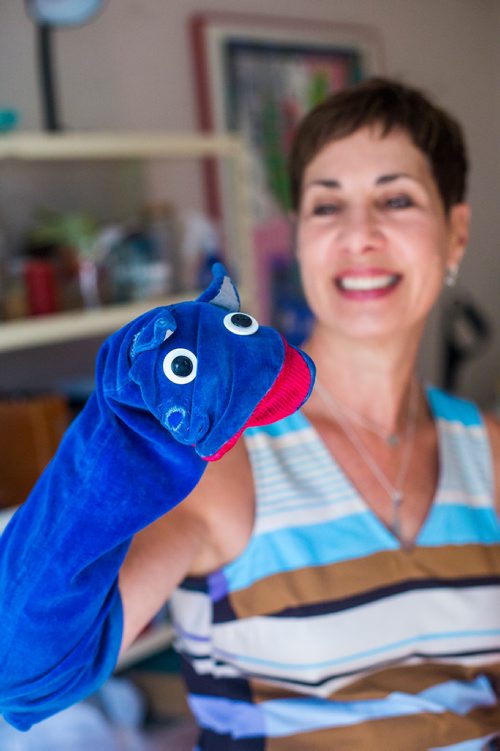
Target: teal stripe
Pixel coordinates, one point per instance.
(290, 424)
(315, 545)
(450, 524)
(353, 537)
(451, 408)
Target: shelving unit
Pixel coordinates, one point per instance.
(30, 333)
(56, 328)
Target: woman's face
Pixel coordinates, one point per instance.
(373, 239)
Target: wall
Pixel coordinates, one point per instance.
(131, 69)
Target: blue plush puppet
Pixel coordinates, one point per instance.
(174, 388)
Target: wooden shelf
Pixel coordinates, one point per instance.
(25, 333)
(113, 145)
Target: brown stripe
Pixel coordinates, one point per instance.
(411, 680)
(350, 578)
(410, 733)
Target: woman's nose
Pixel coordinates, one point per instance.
(360, 231)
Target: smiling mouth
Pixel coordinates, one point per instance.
(367, 283)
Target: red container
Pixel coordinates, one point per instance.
(41, 287)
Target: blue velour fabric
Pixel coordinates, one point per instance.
(136, 450)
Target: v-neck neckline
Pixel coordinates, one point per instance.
(389, 536)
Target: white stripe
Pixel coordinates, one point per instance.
(458, 498)
(207, 667)
(434, 621)
(453, 427)
(192, 618)
(307, 515)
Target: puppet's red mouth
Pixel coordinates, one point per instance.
(288, 393)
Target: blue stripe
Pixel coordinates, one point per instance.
(280, 717)
(450, 524)
(290, 424)
(353, 536)
(315, 545)
(452, 408)
(227, 716)
(461, 697)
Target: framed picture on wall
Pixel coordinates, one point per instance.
(258, 76)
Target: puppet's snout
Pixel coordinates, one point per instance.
(176, 418)
(179, 422)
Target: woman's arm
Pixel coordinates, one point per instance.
(211, 527)
(493, 427)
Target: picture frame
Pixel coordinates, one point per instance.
(258, 76)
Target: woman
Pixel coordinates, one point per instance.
(345, 563)
(335, 578)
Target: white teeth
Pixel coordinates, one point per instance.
(366, 283)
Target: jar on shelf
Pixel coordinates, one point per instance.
(160, 227)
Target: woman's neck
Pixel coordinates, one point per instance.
(372, 378)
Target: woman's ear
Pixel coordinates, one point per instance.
(459, 221)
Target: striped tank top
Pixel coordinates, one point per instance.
(325, 634)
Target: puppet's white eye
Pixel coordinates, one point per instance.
(241, 324)
(180, 365)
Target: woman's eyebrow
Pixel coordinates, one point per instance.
(326, 183)
(383, 179)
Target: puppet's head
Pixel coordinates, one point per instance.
(207, 371)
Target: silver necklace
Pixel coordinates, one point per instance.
(390, 437)
(395, 492)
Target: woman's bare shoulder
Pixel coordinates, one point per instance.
(223, 504)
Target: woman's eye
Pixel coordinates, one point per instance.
(180, 365)
(399, 202)
(325, 209)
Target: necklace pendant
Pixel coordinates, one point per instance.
(392, 440)
(397, 499)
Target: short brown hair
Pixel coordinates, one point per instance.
(391, 105)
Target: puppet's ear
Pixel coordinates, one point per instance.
(156, 331)
(221, 291)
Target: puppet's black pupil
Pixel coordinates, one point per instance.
(241, 320)
(182, 366)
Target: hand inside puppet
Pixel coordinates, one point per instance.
(174, 388)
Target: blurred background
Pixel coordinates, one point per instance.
(131, 68)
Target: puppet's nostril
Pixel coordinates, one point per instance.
(174, 418)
